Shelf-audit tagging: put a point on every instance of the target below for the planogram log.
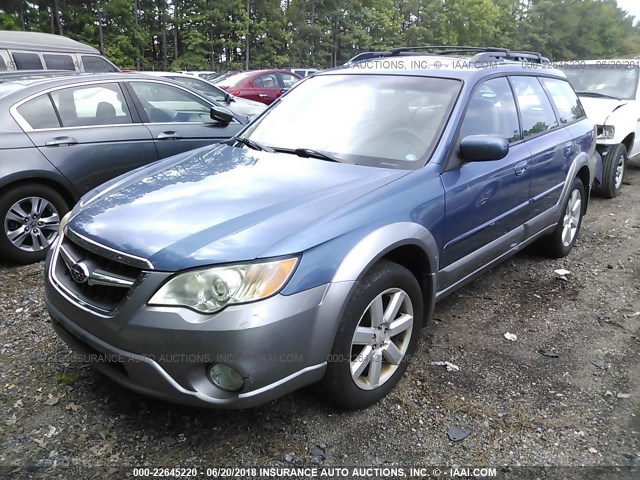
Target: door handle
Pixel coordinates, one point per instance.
(521, 168)
(263, 95)
(58, 141)
(169, 136)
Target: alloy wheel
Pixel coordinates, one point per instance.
(571, 220)
(31, 224)
(381, 338)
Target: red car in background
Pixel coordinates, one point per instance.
(260, 85)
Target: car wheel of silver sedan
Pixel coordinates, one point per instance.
(376, 337)
(30, 217)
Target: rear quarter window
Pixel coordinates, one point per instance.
(565, 99)
(39, 113)
(96, 64)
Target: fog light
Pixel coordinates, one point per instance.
(225, 377)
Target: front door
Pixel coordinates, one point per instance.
(178, 119)
(485, 200)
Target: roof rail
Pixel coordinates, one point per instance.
(482, 54)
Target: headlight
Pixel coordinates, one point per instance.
(211, 290)
(606, 132)
(63, 223)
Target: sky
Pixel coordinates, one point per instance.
(631, 6)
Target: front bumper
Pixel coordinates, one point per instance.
(278, 345)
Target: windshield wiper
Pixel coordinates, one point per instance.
(250, 144)
(307, 153)
(597, 94)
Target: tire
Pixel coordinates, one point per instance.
(24, 238)
(559, 243)
(614, 167)
(386, 284)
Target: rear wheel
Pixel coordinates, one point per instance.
(377, 333)
(613, 169)
(561, 241)
(29, 216)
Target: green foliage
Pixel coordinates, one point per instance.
(215, 34)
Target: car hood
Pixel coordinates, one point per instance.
(244, 106)
(599, 109)
(219, 204)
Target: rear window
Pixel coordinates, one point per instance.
(95, 64)
(59, 62)
(27, 61)
(39, 113)
(565, 99)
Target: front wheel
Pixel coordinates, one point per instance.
(377, 334)
(29, 216)
(613, 170)
(561, 241)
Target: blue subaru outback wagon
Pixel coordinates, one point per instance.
(313, 246)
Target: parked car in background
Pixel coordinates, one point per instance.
(44, 51)
(64, 135)
(315, 244)
(263, 86)
(239, 105)
(205, 74)
(610, 93)
(304, 72)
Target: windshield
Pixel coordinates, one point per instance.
(202, 87)
(617, 81)
(233, 80)
(388, 121)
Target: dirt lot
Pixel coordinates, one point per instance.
(522, 407)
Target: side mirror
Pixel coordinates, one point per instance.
(221, 114)
(283, 91)
(478, 148)
(228, 98)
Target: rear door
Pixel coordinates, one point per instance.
(552, 147)
(486, 201)
(177, 118)
(88, 132)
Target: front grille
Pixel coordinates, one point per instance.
(93, 280)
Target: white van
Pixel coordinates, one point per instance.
(44, 51)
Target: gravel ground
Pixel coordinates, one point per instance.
(578, 405)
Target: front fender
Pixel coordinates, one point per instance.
(374, 246)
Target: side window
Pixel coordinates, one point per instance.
(3, 66)
(166, 103)
(565, 99)
(266, 81)
(91, 105)
(27, 61)
(39, 113)
(288, 80)
(96, 64)
(492, 111)
(59, 62)
(537, 114)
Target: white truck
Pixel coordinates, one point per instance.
(609, 92)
